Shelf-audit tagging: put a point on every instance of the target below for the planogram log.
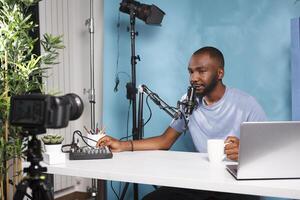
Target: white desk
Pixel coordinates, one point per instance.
(175, 169)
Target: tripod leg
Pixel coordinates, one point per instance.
(101, 190)
(42, 191)
(21, 190)
(135, 191)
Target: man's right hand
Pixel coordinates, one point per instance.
(162, 142)
(114, 144)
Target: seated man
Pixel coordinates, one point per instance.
(219, 114)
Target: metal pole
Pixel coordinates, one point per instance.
(92, 64)
(133, 73)
(99, 191)
(135, 131)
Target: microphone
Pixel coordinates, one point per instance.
(190, 102)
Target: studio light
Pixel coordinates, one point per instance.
(150, 14)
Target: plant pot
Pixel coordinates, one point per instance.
(53, 154)
(53, 148)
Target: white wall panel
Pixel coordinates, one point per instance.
(72, 74)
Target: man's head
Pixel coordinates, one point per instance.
(206, 69)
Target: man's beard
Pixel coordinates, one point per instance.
(209, 88)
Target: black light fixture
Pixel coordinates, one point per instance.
(150, 14)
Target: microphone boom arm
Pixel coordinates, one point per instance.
(173, 112)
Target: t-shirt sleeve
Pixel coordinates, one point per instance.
(256, 113)
(179, 124)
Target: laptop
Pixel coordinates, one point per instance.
(268, 150)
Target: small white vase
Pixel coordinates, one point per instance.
(53, 148)
(53, 154)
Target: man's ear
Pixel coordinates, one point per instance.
(220, 73)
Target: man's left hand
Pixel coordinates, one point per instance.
(232, 147)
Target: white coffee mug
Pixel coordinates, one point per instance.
(215, 150)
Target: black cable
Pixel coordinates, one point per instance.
(125, 73)
(129, 136)
(78, 132)
(150, 115)
(113, 189)
(117, 79)
(74, 145)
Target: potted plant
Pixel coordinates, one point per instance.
(53, 143)
(21, 71)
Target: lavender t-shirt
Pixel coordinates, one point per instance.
(220, 119)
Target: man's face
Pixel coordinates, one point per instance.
(204, 73)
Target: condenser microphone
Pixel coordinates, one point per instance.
(190, 101)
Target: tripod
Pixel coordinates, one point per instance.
(131, 93)
(150, 14)
(34, 180)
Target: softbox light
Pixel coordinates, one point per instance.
(150, 14)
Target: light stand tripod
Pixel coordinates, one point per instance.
(150, 14)
(34, 179)
(98, 188)
(131, 93)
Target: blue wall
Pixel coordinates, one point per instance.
(295, 65)
(253, 35)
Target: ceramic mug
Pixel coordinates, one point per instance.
(215, 150)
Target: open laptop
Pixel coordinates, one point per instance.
(268, 150)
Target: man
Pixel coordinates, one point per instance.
(219, 113)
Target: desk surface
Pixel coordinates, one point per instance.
(175, 169)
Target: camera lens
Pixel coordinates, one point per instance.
(76, 105)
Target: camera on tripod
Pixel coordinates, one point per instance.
(44, 111)
(34, 113)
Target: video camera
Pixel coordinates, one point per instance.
(34, 113)
(44, 111)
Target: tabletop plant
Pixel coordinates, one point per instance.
(52, 139)
(21, 71)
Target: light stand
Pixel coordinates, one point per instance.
(150, 15)
(131, 93)
(131, 86)
(98, 189)
(90, 23)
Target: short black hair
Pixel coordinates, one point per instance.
(213, 53)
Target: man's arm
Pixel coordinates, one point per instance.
(162, 142)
